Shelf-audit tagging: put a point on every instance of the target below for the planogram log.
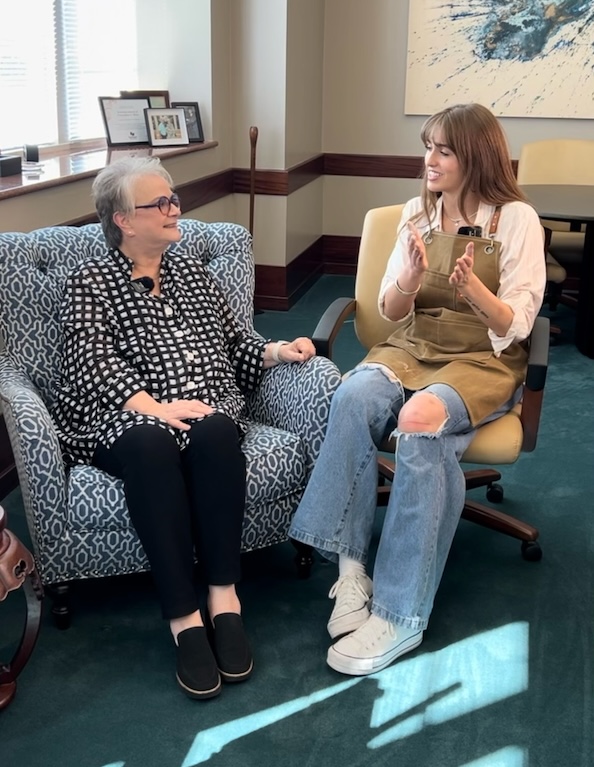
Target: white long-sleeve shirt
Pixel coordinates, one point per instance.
(522, 269)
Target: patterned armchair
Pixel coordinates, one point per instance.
(78, 519)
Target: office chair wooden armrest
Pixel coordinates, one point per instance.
(536, 375)
(330, 324)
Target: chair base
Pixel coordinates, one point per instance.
(476, 512)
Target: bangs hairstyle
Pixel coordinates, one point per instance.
(113, 191)
(475, 136)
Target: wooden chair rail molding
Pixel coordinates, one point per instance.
(279, 287)
(276, 287)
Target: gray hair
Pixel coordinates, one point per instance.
(112, 191)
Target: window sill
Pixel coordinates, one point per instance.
(77, 165)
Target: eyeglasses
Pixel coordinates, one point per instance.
(164, 204)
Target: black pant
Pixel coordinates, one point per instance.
(183, 500)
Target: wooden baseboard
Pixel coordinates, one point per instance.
(279, 287)
(340, 254)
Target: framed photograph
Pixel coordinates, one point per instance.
(166, 127)
(193, 121)
(156, 99)
(124, 120)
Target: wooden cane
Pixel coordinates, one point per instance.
(253, 141)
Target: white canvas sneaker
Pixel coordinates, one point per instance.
(372, 647)
(353, 596)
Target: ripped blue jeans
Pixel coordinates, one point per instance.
(338, 508)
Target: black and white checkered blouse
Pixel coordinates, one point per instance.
(184, 343)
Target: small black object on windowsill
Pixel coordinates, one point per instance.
(31, 153)
(32, 168)
(10, 166)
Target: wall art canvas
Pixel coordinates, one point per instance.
(521, 58)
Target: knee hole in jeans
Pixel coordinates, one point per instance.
(424, 412)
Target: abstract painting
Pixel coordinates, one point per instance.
(521, 58)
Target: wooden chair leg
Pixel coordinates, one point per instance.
(60, 593)
(303, 558)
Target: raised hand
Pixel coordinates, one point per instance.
(464, 269)
(417, 255)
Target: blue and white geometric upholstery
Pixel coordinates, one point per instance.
(78, 519)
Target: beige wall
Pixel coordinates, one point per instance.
(258, 65)
(276, 84)
(303, 119)
(304, 80)
(313, 75)
(365, 46)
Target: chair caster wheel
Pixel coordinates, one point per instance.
(495, 493)
(531, 551)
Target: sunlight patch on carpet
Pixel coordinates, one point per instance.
(506, 757)
(209, 742)
(437, 687)
(426, 690)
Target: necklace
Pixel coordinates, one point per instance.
(457, 221)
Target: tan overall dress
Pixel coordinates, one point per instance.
(443, 341)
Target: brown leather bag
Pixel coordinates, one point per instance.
(16, 562)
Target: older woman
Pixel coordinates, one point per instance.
(153, 367)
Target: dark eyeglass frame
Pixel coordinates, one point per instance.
(163, 203)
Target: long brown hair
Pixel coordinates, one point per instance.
(476, 137)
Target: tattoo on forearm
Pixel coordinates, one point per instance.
(476, 307)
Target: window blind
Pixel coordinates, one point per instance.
(56, 58)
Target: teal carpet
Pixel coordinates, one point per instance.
(504, 677)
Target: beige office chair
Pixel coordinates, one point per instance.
(499, 442)
(560, 161)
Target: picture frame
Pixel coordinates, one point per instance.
(124, 120)
(156, 99)
(166, 127)
(193, 121)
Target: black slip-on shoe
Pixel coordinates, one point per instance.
(197, 672)
(231, 648)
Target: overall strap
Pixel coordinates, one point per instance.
(494, 221)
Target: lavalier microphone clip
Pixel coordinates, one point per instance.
(143, 284)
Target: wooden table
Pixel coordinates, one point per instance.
(573, 203)
(17, 569)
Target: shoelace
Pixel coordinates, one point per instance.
(374, 631)
(348, 590)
